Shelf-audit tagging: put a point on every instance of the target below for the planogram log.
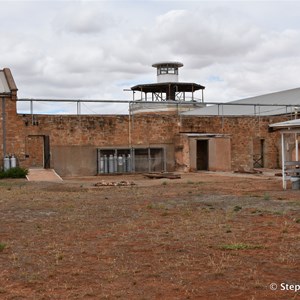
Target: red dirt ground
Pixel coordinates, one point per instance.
(157, 239)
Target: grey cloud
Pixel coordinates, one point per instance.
(276, 45)
(17, 51)
(95, 49)
(200, 33)
(84, 19)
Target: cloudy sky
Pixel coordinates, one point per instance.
(95, 49)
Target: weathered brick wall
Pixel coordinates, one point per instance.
(1, 127)
(13, 125)
(141, 130)
(242, 131)
(103, 130)
(92, 132)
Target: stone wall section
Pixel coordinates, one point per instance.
(242, 131)
(142, 130)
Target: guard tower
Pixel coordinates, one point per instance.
(168, 92)
(167, 71)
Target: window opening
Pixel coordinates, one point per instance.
(125, 160)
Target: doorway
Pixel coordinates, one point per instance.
(202, 155)
(38, 151)
(258, 152)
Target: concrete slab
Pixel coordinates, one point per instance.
(43, 175)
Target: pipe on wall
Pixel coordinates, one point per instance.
(3, 126)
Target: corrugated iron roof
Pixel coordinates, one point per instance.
(255, 107)
(286, 124)
(4, 88)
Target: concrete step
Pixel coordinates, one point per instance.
(43, 175)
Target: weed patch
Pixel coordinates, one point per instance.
(237, 208)
(2, 246)
(14, 173)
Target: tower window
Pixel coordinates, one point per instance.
(167, 70)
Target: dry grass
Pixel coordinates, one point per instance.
(149, 241)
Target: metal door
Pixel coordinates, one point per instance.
(202, 154)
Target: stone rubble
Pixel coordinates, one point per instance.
(114, 183)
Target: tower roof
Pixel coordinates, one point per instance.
(168, 63)
(168, 87)
(165, 86)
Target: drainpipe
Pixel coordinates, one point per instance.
(283, 160)
(4, 126)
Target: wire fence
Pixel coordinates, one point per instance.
(88, 107)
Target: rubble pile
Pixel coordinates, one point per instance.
(114, 183)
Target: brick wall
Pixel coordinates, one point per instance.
(69, 134)
(141, 130)
(243, 130)
(102, 130)
(12, 125)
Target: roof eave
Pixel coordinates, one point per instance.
(10, 80)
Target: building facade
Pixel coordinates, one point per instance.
(151, 141)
